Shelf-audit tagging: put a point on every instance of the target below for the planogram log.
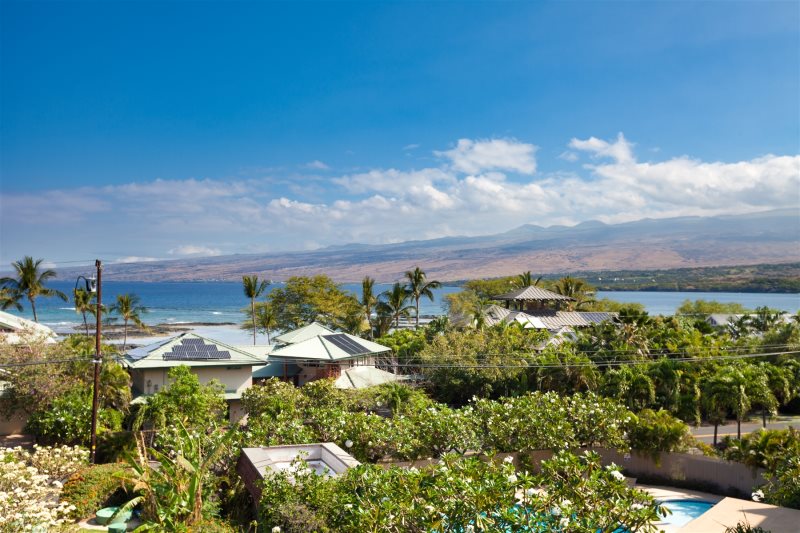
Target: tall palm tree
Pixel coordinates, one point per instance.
(368, 300)
(419, 286)
(83, 304)
(128, 307)
(394, 302)
(253, 288)
(265, 319)
(577, 289)
(30, 282)
(526, 280)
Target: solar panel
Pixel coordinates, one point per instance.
(346, 344)
(195, 350)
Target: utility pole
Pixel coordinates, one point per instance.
(97, 361)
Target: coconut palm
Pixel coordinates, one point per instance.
(9, 299)
(30, 282)
(368, 300)
(128, 307)
(526, 280)
(393, 304)
(419, 286)
(253, 288)
(266, 319)
(577, 289)
(83, 304)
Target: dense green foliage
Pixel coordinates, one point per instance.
(778, 451)
(68, 420)
(571, 494)
(279, 413)
(184, 401)
(318, 298)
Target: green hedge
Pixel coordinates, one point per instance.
(95, 487)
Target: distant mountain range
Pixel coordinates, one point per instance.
(767, 237)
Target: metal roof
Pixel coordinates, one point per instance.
(362, 377)
(303, 334)
(325, 348)
(545, 319)
(15, 329)
(532, 293)
(163, 354)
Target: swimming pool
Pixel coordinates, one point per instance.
(684, 511)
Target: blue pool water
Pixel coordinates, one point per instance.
(684, 511)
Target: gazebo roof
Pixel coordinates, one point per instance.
(532, 294)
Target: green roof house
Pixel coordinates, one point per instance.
(208, 359)
(315, 352)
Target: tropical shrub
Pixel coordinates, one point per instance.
(30, 484)
(186, 401)
(95, 487)
(68, 419)
(766, 448)
(658, 431)
(573, 494)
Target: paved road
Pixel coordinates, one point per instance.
(706, 433)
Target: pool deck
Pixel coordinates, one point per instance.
(727, 513)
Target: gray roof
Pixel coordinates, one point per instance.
(362, 377)
(330, 347)
(531, 294)
(303, 334)
(546, 319)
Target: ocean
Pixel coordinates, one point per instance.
(223, 302)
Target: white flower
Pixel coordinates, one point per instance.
(617, 475)
(758, 495)
(512, 478)
(276, 529)
(508, 459)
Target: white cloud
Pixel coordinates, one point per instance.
(191, 249)
(136, 259)
(410, 147)
(473, 157)
(158, 218)
(568, 156)
(317, 165)
(620, 150)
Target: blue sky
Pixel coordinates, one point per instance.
(156, 130)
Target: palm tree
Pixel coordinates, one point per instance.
(83, 304)
(576, 289)
(480, 311)
(368, 300)
(526, 280)
(9, 299)
(128, 307)
(265, 319)
(394, 303)
(418, 286)
(253, 289)
(30, 283)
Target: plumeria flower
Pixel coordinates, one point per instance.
(758, 496)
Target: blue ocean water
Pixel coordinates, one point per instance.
(223, 302)
(182, 302)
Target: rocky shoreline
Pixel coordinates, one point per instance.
(117, 331)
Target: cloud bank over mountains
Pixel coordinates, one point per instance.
(478, 186)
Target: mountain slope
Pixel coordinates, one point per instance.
(768, 237)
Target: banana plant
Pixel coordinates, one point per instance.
(171, 490)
